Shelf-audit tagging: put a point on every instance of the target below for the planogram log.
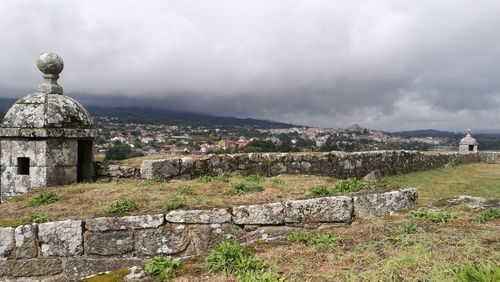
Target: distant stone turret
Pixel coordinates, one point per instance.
(468, 144)
(46, 138)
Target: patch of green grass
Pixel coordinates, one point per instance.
(277, 182)
(436, 217)
(314, 239)
(224, 176)
(174, 203)
(485, 272)
(151, 182)
(408, 228)
(44, 198)
(349, 185)
(240, 188)
(477, 179)
(121, 206)
(487, 215)
(35, 218)
(162, 267)
(343, 186)
(123, 181)
(320, 191)
(401, 241)
(254, 178)
(204, 179)
(229, 257)
(185, 189)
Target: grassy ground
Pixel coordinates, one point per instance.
(481, 180)
(90, 200)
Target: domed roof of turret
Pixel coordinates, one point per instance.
(48, 113)
(468, 139)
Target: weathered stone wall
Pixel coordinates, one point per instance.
(490, 157)
(113, 171)
(72, 249)
(51, 162)
(338, 165)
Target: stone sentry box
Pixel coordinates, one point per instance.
(46, 138)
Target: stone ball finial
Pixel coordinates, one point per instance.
(50, 63)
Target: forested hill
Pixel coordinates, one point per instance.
(157, 116)
(148, 115)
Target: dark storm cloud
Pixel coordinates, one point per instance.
(385, 64)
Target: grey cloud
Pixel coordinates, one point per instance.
(385, 64)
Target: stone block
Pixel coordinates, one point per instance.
(267, 233)
(116, 171)
(168, 168)
(61, 175)
(5, 153)
(61, 238)
(6, 242)
(370, 205)
(110, 243)
(168, 239)
(272, 213)
(374, 175)
(328, 209)
(204, 236)
(30, 267)
(78, 268)
(38, 176)
(62, 152)
(23, 148)
(26, 241)
(199, 216)
(126, 222)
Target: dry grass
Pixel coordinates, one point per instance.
(89, 200)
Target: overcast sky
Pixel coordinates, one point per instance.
(391, 65)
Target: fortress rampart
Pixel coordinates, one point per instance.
(334, 164)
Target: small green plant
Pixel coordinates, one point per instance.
(230, 257)
(408, 228)
(45, 198)
(162, 267)
(205, 179)
(485, 272)
(174, 203)
(401, 241)
(487, 215)
(242, 188)
(320, 191)
(436, 217)
(314, 239)
(224, 176)
(254, 178)
(277, 181)
(151, 182)
(123, 181)
(349, 185)
(34, 218)
(120, 206)
(343, 186)
(185, 189)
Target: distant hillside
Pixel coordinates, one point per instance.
(157, 116)
(427, 133)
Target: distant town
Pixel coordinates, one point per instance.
(121, 140)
